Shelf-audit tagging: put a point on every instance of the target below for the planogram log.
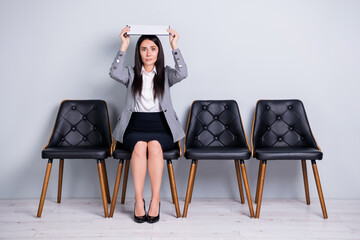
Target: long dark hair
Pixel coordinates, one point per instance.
(159, 78)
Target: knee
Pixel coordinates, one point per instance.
(140, 149)
(154, 148)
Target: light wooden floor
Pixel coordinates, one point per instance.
(207, 219)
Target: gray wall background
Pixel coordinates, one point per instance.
(242, 50)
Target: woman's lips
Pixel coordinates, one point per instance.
(148, 59)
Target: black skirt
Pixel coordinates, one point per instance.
(148, 126)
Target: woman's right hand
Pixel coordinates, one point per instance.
(125, 40)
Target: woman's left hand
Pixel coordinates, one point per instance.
(173, 37)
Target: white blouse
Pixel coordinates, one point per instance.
(145, 102)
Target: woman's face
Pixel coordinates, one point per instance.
(148, 52)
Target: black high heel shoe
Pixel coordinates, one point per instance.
(151, 219)
(140, 219)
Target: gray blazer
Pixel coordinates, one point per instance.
(125, 75)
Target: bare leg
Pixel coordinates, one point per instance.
(138, 168)
(155, 168)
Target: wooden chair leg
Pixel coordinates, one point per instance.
(173, 187)
(238, 175)
(172, 194)
(116, 187)
(261, 188)
(126, 174)
(192, 186)
(247, 189)
(318, 186)
(306, 183)
(102, 187)
(44, 189)
(61, 170)
(106, 181)
(190, 183)
(258, 183)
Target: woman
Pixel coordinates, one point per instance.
(148, 124)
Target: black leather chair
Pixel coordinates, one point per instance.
(82, 131)
(215, 131)
(121, 154)
(281, 131)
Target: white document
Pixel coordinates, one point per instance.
(148, 30)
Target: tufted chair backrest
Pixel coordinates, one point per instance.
(215, 124)
(81, 123)
(281, 123)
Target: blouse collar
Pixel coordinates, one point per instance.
(153, 71)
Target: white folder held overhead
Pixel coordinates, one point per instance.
(148, 30)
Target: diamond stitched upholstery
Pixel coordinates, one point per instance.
(215, 131)
(282, 131)
(81, 130)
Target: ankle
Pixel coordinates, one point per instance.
(155, 200)
(154, 206)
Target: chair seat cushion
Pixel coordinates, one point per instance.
(172, 154)
(76, 152)
(218, 153)
(288, 153)
(121, 153)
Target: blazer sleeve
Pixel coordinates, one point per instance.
(180, 71)
(118, 71)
